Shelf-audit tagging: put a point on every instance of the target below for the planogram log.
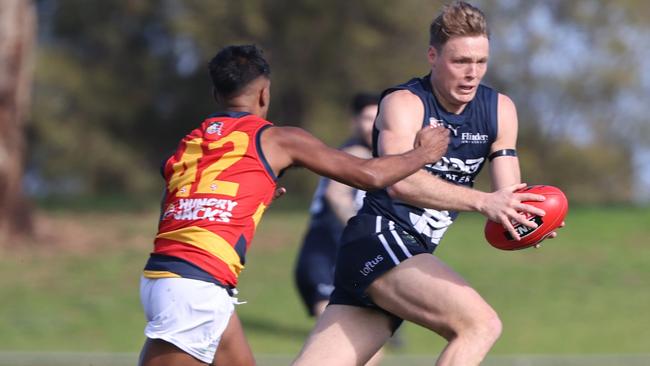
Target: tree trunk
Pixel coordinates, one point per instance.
(17, 33)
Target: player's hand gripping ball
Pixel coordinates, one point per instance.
(555, 206)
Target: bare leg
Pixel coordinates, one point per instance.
(425, 291)
(157, 352)
(376, 358)
(422, 290)
(319, 308)
(233, 349)
(345, 336)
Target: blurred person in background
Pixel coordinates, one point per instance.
(331, 208)
(219, 182)
(386, 271)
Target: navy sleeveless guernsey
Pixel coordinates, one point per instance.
(472, 132)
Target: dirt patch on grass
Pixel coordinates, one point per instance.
(84, 232)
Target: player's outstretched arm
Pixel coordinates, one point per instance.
(287, 146)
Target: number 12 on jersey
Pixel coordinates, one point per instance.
(185, 180)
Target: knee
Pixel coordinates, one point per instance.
(481, 323)
(486, 326)
(494, 325)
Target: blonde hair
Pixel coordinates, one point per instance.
(457, 19)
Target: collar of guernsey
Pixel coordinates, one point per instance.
(218, 185)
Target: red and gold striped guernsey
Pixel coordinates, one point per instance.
(218, 186)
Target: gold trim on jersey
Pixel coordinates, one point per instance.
(208, 241)
(159, 274)
(257, 216)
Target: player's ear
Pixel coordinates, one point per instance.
(265, 95)
(432, 54)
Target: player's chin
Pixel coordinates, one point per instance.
(464, 96)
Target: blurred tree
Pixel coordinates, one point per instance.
(576, 70)
(125, 80)
(118, 81)
(321, 53)
(17, 31)
(100, 64)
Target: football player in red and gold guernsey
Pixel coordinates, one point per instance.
(219, 182)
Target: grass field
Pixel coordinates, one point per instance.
(75, 287)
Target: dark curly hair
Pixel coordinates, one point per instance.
(234, 67)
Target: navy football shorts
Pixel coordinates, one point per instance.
(371, 246)
(314, 271)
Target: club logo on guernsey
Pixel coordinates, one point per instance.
(214, 127)
(212, 209)
(434, 121)
(438, 122)
(370, 265)
(431, 223)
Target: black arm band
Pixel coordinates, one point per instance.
(504, 152)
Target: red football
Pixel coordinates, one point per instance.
(555, 206)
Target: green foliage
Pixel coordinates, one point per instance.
(574, 68)
(578, 169)
(119, 82)
(105, 86)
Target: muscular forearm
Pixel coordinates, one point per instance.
(425, 190)
(301, 149)
(504, 171)
(387, 170)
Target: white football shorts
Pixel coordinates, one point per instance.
(190, 314)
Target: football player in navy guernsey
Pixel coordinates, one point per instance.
(386, 271)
